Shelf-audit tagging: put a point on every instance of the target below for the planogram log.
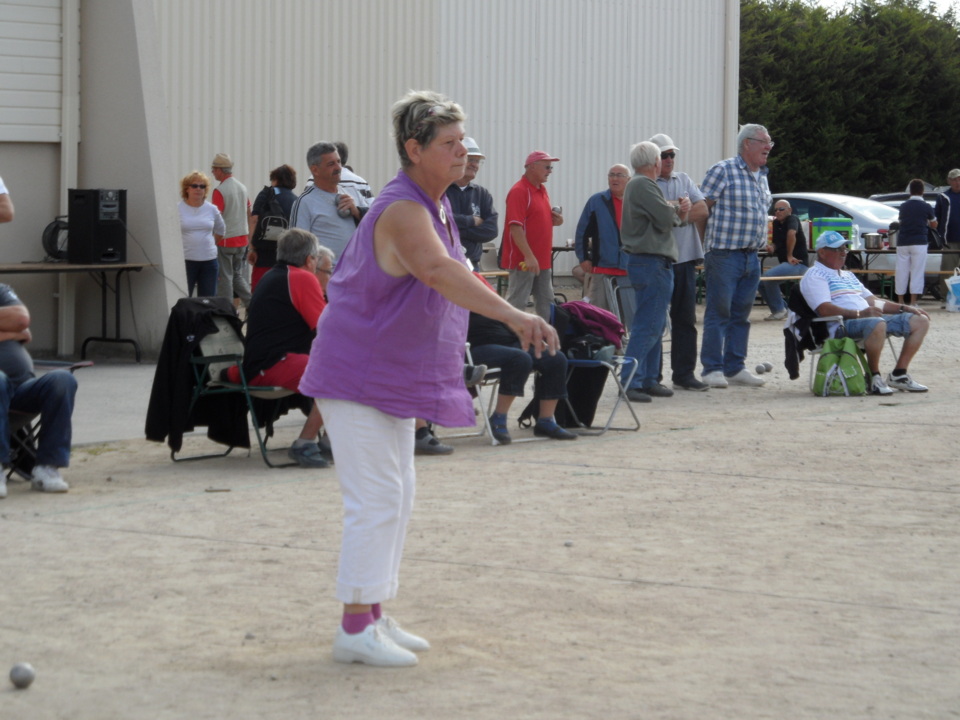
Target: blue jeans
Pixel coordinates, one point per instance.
(732, 278)
(771, 290)
(516, 365)
(202, 275)
(652, 278)
(52, 396)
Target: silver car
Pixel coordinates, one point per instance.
(868, 216)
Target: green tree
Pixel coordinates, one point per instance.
(860, 100)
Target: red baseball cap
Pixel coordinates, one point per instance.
(538, 155)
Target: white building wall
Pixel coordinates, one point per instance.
(30, 67)
(583, 79)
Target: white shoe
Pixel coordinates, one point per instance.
(370, 647)
(745, 377)
(905, 383)
(3, 485)
(715, 379)
(47, 479)
(879, 387)
(777, 315)
(406, 640)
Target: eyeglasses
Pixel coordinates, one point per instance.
(842, 250)
(617, 175)
(768, 143)
(780, 209)
(196, 186)
(548, 167)
(668, 155)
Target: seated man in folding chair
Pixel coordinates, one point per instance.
(831, 290)
(281, 324)
(495, 345)
(51, 396)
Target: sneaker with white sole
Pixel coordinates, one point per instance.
(406, 640)
(370, 647)
(905, 383)
(3, 485)
(745, 377)
(715, 379)
(779, 315)
(878, 386)
(47, 479)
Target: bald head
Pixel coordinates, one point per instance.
(617, 178)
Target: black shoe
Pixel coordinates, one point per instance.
(551, 430)
(657, 390)
(637, 395)
(426, 443)
(691, 383)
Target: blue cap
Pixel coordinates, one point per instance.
(831, 239)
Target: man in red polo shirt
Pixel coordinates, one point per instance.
(527, 244)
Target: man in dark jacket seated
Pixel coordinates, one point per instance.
(493, 344)
(281, 324)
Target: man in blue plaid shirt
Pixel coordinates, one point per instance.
(737, 193)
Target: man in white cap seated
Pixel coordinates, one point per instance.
(472, 207)
(830, 290)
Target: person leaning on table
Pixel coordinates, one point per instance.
(831, 290)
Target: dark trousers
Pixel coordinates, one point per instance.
(683, 321)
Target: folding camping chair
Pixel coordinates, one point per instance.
(804, 330)
(216, 353)
(613, 364)
(483, 408)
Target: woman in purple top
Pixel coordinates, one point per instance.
(389, 348)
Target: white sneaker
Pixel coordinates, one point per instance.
(745, 377)
(777, 315)
(47, 479)
(3, 484)
(715, 379)
(905, 383)
(879, 387)
(409, 641)
(370, 647)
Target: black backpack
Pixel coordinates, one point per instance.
(270, 227)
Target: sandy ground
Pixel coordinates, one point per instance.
(747, 554)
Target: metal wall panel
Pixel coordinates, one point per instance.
(583, 79)
(30, 67)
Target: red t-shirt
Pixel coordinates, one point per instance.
(528, 207)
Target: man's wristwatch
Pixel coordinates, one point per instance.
(902, 310)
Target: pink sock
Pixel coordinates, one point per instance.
(356, 623)
(377, 612)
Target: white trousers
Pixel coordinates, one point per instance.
(911, 262)
(374, 463)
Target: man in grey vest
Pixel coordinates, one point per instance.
(231, 200)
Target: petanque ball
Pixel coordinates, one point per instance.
(22, 674)
(768, 366)
(761, 369)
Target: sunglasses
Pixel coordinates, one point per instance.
(197, 186)
(779, 209)
(668, 155)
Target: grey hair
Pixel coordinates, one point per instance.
(318, 150)
(418, 115)
(296, 246)
(749, 132)
(324, 252)
(644, 154)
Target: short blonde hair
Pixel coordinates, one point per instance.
(418, 115)
(194, 177)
